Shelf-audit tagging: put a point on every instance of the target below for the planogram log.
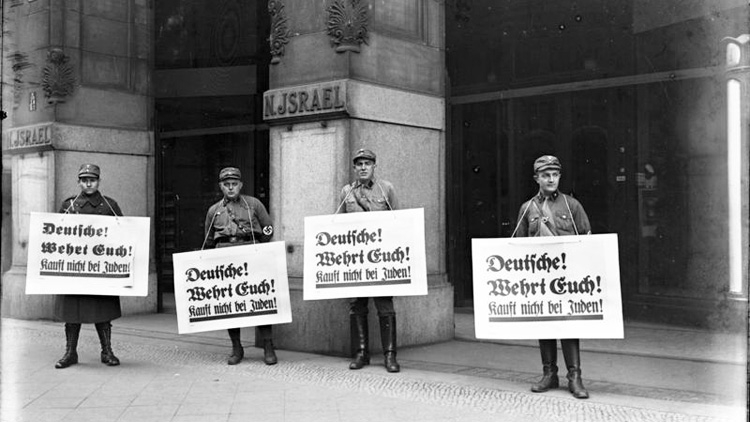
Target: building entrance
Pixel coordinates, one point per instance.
(188, 185)
(493, 145)
(211, 68)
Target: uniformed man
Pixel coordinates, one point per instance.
(366, 194)
(77, 309)
(238, 220)
(552, 213)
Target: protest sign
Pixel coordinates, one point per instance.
(365, 254)
(547, 287)
(238, 286)
(87, 254)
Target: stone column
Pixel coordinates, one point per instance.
(82, 94)
(377, 82)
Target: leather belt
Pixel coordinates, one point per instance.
(232, 239)
(238, 239)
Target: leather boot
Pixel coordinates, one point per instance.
(238, 352)
(572, 354)
(269, 354)
(360, 341)
(388, 339)
(548, 349)
(70, 357)
(104, 330)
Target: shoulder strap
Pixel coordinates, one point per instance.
(349, 192)
(570, 212)
(72, 203)
(249, 219)
(109, 205)
(518, 224)
(384, 196)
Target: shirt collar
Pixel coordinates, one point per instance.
(540, 196)
(94, 199)
(368, 184)
(225, 201)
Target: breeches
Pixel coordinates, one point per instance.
(384, 306)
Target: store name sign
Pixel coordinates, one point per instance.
(305, 101)
(29, 139)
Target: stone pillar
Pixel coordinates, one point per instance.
(82, 94)
(335, 88)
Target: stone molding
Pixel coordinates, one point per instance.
(65, 137)
(32, 138)
(20, 63)
(279, 35)
(58, 79)
(347, 24)
(379, 103)
(353, 99)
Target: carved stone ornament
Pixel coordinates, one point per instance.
(58, 80)
(20, 63)
(347, 24)
(279, 31)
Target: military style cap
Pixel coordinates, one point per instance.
(89, 170)
(229, 173)
(364, 153)
(546, 162)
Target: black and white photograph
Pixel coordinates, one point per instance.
(561, 192)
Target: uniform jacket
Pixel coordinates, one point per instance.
(568, 216)
(375, 195)
(244, 217)
(88, 308)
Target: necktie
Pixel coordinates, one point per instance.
(547, 226)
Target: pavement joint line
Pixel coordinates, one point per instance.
(490, 373)
(590, 349)
(472, 371)
(593, 385)
(429, 391)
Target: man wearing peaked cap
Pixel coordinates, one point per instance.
(366, 194)
(89, 170)
(230, 173)
(547, 162)
(364, 153)
(236, 220)
(552, 213)
(75, 310)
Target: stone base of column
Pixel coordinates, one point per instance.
(322, 326)
(142, 305)
(15, 302)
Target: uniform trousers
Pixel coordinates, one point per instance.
(384, 306)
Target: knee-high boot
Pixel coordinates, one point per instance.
(548, 349)
(72, 330)
(388, 339)
(269, 354)
(237, 351)
(104, 330)
(572, 354)
(360, 341)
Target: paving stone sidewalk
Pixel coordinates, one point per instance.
(171, 380)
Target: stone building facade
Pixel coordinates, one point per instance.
(456, 97)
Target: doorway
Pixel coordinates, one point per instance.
(493, 145)
(188, 167)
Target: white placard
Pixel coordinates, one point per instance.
(87, 254)
(365, 254)
(238, 286)
(547, 287)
